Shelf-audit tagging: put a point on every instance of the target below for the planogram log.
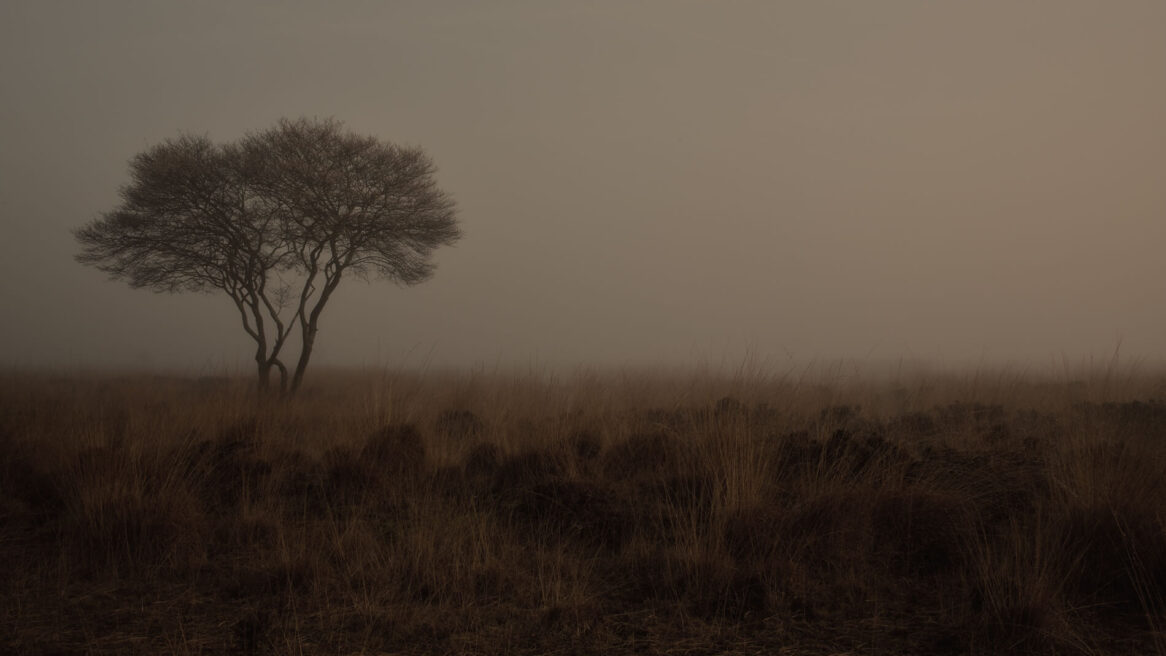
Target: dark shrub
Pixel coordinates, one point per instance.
(796, 453)
(846, 452)
(669, 418)
(1034, 429)
(839, 413)
(751, 536)
(585, 445)
(728, 406)
(666, 508)
(299, 480)
(459, 424)
(30, 489)
(229, 467)
(1141, 418)
(971, 414)
(824, 530)
(395, 450)
(996, 433)
(1001, 486)
(913, 425)
(857, 453)
(348, 478)
(482, 461)
(919, 533)
(1123, 556)
(241, 434)
(524, 471)
(643, 454)
(570, 511)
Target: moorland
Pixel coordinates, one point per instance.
(489, 513)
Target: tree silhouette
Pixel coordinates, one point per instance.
(275, 221)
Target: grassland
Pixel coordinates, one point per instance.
(621, 513)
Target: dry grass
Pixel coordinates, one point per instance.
(474, 513)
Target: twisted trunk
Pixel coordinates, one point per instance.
(310, 326)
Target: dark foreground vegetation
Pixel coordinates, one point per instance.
(488, 515)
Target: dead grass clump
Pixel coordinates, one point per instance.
(1001, 486)
(644, 454)
(395, 450)
(846, 453)
(297, 481)
(670, 419)
(913, 426)
(1017, 586)
(240, 435)
(839, 414)
(921, 533)
(642, 576)
(796, 453)
(30, 489)
(585, 445)
(229, 469)
(1122, 557)
(1129, 418)
(252, 631)
(482, 461)
(524, 471)
(276, 575)
(754, 535)
(459, 425)
(125, 531)
(686, 492)
(826, 529)
(1035, 431)
(854, 453)
(970, 414)
(571, 511)
(248, 532)
(728, 406)
(349, 478)
(717, 588)
(128, 513)
(706, 586)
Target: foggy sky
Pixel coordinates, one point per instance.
(638, 182)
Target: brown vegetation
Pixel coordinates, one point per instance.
(473, 514)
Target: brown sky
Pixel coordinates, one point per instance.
(638, 181)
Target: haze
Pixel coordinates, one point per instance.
(639, 182)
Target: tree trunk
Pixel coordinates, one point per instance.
(310, 326)
(309, 339)
(264, 367)
(282, 376)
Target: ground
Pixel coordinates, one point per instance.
(472, 514)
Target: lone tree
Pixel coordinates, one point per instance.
(276, 221)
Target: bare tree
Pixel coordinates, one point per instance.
(276, 221)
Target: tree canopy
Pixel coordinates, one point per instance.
(275, 220)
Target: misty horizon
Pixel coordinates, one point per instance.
(648, 185)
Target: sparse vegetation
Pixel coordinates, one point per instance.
(634, 514)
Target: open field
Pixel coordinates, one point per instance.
(621, 513)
